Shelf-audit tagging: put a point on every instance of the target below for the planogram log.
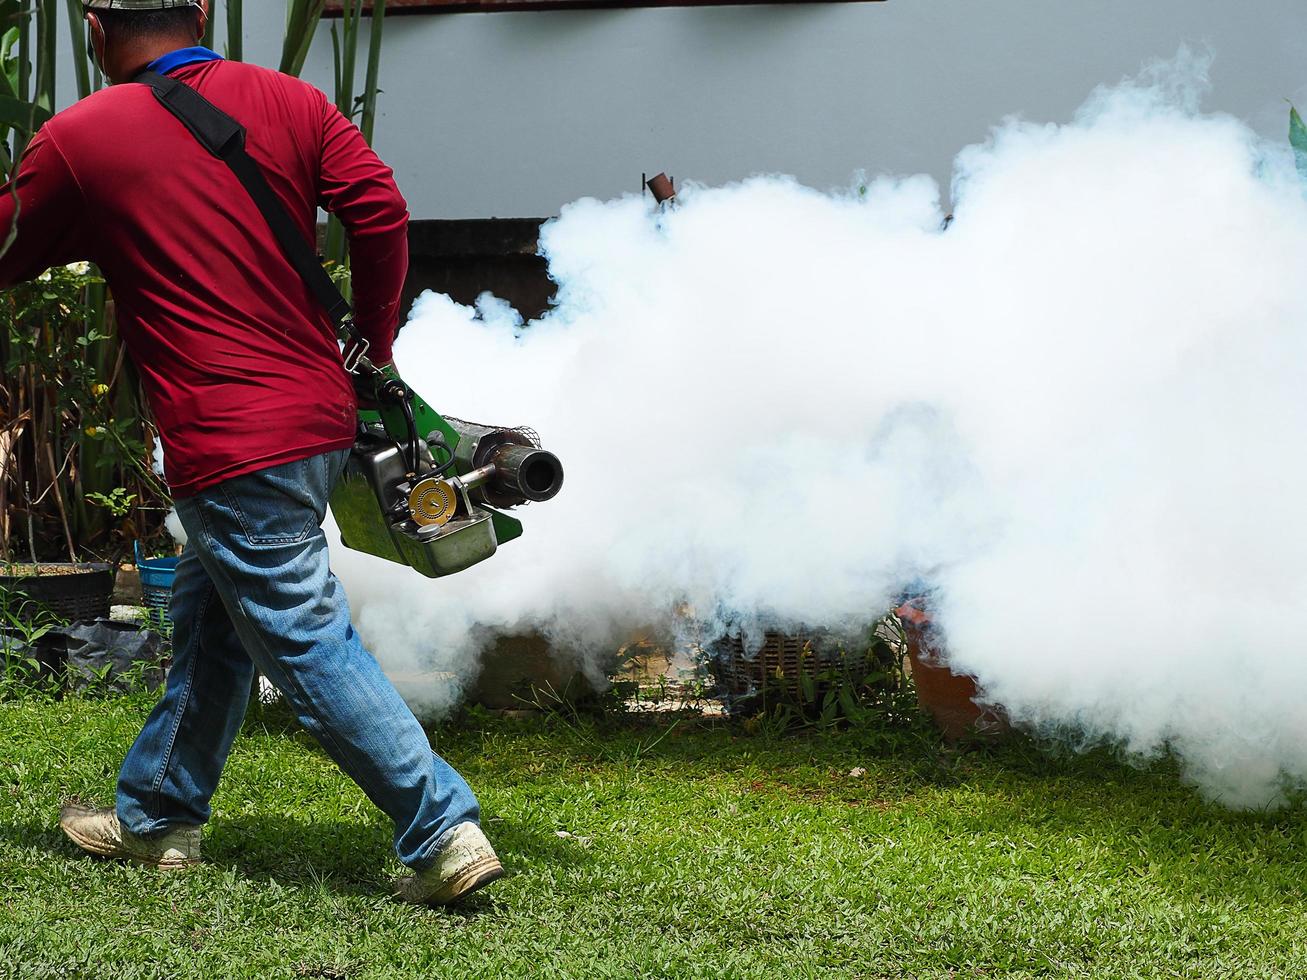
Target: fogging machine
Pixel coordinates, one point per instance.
(429, 491)
(419, 489)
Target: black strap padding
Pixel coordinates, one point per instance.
(224, 137)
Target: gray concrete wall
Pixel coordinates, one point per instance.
(513, 115)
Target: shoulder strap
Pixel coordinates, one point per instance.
(224, 137)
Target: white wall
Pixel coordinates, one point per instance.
(512, 115)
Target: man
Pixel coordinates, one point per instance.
(257, 415)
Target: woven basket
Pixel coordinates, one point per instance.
(780, 662)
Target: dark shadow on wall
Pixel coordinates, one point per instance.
(468, 257)
(465, 258)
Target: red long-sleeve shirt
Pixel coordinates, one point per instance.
(240, 365)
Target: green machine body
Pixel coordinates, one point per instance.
(430, 491)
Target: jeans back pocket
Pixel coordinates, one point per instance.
(283, 504)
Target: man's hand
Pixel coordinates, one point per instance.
(365, 385)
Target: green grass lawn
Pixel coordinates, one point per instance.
(710, 854)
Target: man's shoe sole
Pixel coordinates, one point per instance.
(476, 877)
(91, 846)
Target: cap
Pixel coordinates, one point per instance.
(137, 4)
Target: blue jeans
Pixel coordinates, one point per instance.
(254, 589)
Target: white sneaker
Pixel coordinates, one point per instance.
(465, 864)
(97, 831)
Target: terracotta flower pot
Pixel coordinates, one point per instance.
(950, 698)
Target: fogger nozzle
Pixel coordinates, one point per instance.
(526, 472)
(506, 466)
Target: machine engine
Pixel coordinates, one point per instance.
(436, 502)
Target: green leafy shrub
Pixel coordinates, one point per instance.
(863, 686)
(74, 437)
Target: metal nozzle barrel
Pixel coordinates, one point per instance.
(505, 467)
(527, 473)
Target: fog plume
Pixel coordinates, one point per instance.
(1078, 412)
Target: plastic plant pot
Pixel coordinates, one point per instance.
(157, 576)
(67, 592)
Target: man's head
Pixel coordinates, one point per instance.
(126, 35)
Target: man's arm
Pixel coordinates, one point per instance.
(360, 190)
(49, 206)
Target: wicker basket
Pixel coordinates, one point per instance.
(784, 657)
(69, 592)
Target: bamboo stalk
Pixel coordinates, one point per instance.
(8, 452)
(77, 33)
(91, 475)
(31, 530)
(371, 84)
(47, 54)
(235, 30)
(302, 17)
(59, 502)
(24, 83)
(344, 46)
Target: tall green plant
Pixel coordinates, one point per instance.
(71, 431)
(302, 18)
(372, 82)
(344, 43)
(47, 42)
(235, 31)
(81, 63)
(71, 422)
(20, 115)
(23, 79)
(344, 50)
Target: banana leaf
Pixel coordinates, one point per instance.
(9, 63)
(1298, 140)
(27, 117)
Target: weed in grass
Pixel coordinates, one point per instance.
(23, 623)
